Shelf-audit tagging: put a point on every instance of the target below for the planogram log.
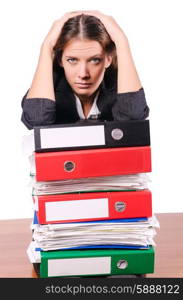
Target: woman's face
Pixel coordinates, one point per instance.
(84, 63)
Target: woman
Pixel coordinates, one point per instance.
(85, 71)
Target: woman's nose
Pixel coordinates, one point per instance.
(83, 71)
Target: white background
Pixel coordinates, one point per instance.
(154, 30)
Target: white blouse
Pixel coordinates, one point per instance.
(94, 111)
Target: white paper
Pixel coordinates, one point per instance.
(34, 256)
(137, 181)
(69, 235)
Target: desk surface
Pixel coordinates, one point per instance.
(15, 236)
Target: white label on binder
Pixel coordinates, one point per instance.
(79, 266)
(72, 136)
(76, 209)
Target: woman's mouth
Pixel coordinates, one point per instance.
(83, 85)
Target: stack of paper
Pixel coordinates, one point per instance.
(93, 208)
(117, 183)
(128, 233)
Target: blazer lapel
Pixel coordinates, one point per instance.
(65, 103)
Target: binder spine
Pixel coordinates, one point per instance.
(98, 262)
(93, 206)
(92, 163)
(82, 136)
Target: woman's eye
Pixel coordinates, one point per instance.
(96, 60)
(71, 60)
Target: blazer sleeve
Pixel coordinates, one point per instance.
(130, 106)
(37, 111)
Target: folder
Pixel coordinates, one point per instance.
(37, 270)
(92, 206)
(95, 134)
(95, 262)
(91, 163)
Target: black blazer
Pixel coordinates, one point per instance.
(112, 105)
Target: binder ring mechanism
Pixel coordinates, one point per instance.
(122, 264)
(69, 166)
(117, 134)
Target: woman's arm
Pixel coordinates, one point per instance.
(130, 101)
(42, 84)
(128, 79)
(38, 105)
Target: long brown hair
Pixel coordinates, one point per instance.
(85, 27)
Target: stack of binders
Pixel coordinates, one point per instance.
(93, 209)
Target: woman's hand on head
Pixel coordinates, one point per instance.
(114, 30)
(55, 30)
(110, 24)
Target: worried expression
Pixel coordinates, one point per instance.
(84, 63)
